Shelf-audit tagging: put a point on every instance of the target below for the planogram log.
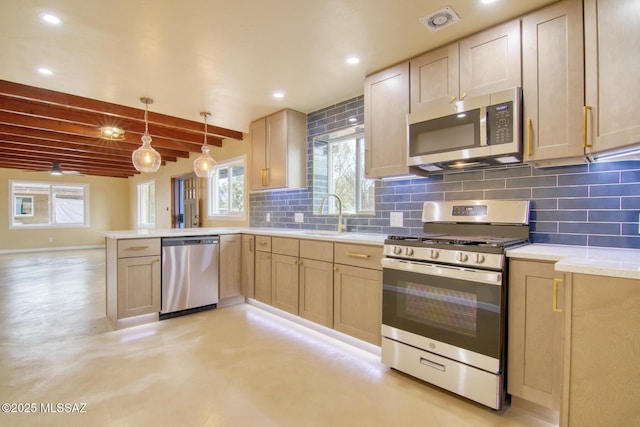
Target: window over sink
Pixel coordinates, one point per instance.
(338, 168)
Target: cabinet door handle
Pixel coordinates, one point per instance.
(357, 255)
(265, 177)
(452, 98)
(335, 269)
(250, 244)
(463, 95)
(139, 248)
(556, 283)
(529, 137)
(585, 116)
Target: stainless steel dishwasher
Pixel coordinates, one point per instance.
(189, 275)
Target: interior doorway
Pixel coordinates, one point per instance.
(185, 201)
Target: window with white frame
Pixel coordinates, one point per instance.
(338, 168)
(227, 190)
(147, 204)
(46, 204)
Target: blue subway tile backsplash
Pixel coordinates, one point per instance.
(594, 204)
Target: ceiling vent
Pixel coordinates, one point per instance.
(440, 19)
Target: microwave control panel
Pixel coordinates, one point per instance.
(500, 123)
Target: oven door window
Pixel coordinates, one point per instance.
(459, 312)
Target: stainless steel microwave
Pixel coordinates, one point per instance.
(475, 132)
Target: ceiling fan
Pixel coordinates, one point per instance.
(57, 170)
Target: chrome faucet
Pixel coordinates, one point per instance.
(341, 227)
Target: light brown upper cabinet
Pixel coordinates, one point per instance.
(278, 151)
(612, 61)
(483, 63)
(386, 105)
(553, 84)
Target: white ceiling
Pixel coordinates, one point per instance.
(224, 56)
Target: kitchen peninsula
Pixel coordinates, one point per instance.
(301, 272)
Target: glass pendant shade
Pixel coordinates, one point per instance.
(146, 158)
(204, 166)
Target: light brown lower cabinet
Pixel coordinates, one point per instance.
(284, 282)
(316, 291)
(358, 302)
(133, 271)
(602, 345)
(248, 265)
(263, 277)
(357, 296)
(230, 279)
(535, 342)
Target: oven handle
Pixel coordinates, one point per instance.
(469, 274)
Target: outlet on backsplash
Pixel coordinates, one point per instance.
(268, 217)
(298, 217)
(396, 219)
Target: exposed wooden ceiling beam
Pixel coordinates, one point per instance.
(114, 110)
(39, 127)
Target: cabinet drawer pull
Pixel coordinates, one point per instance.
(556, 283)
(262, 243)
(585, 115)
(139, 248)
(432, 364)
(357, 255)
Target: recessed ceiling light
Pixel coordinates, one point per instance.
(45, 71)
(51, 19)
(278, 95)
(353, 60)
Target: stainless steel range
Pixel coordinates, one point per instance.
(445, 293)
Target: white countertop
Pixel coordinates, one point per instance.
(347, 237)
(599, 261)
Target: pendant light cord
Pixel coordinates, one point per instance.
(205, 128)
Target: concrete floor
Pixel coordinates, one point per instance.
(233, 366)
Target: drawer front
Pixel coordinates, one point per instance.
(138, 247)
(263, 243)
(358, 255)
(285, 246)
(316, 249)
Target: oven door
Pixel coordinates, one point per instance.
(459, 310)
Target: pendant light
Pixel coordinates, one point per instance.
(145, 158)
(204, 166)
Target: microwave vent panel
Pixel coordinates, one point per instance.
(440, 19)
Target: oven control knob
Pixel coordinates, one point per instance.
(462, 257)
(434, 254)
(479, 258)
(409, 251)
(397, 250)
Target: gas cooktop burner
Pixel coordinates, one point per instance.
(444, 239)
